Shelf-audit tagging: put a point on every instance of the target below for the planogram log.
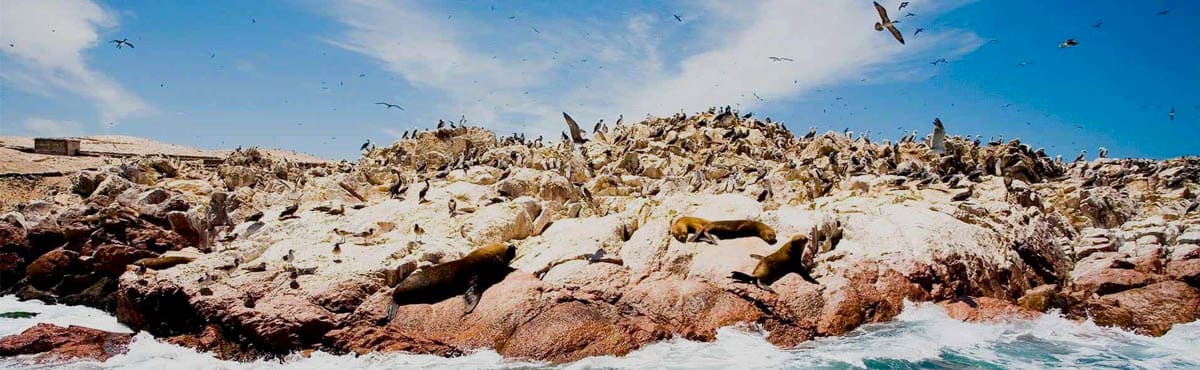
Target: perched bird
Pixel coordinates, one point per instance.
(452, 205)
(1103, 152)
(418, 230)
(290, 256)
(884, 22)
(289, 212)
(1068, 43)
(1082, 156)
(337, 248)
(595, 256)
(964, 195)
(123, 42)
(365, 145)
(390, 105)
(421, 194)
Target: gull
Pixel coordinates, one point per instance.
(122, 42)
(390, 105)
(884, 22)
(1068, 43)
(780, 59)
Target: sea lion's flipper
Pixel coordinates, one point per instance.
(692, 238)
(756, 256)
(391, 311)
(471, 297)
(741, 277)
(804, 274)
(760, 285)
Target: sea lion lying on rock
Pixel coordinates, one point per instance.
(733, 229)
(685, 226)
(469, 276)
(775, 265)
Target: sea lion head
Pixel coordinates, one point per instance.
(510, 253)
(768, 234)
(797, 244)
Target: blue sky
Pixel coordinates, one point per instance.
(305, 75)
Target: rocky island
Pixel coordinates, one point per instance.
(258, 255)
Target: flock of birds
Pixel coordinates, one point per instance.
(885, 23)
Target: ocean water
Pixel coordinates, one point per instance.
(922, 337)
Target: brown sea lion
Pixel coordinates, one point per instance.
(785, 260)
(163, 262)
(469, 276)
(733, 229)
(686, 225)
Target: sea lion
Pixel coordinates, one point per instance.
(469, 276)
(787, 259)
(684, 226)
(732, 229)
(163, 262)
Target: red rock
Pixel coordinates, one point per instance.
(112, 259)
(987, 309)
(52, 342)
(1149, 310)
(1112, 280)
(46, 271)
(1186, 270)
(212, 341)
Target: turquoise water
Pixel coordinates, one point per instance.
(922, 337)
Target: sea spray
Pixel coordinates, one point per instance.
(921, 336)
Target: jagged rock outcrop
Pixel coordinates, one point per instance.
(305, 258)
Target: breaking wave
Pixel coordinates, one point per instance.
(923, 336)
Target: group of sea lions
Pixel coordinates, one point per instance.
(787, 259)
(471, 275)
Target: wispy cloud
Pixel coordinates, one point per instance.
(48, 39)
(47, 127)
(636, 64)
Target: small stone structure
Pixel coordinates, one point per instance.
(56, 146)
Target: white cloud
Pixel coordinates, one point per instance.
(48, 39)
(42, 127)
(601, 68)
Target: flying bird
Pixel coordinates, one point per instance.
(576, 133)
(939, 61)
(939, 136)
(1068, 43)
(903, 4)
(1024, 63)
(122, 42)
(1164, 12)
(910, 15)
(1172, 113)
(390, 105)
(1097, 24)
(884, 22)
(677, 18)
(365, 145)
(918, 31)
(780, 59)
